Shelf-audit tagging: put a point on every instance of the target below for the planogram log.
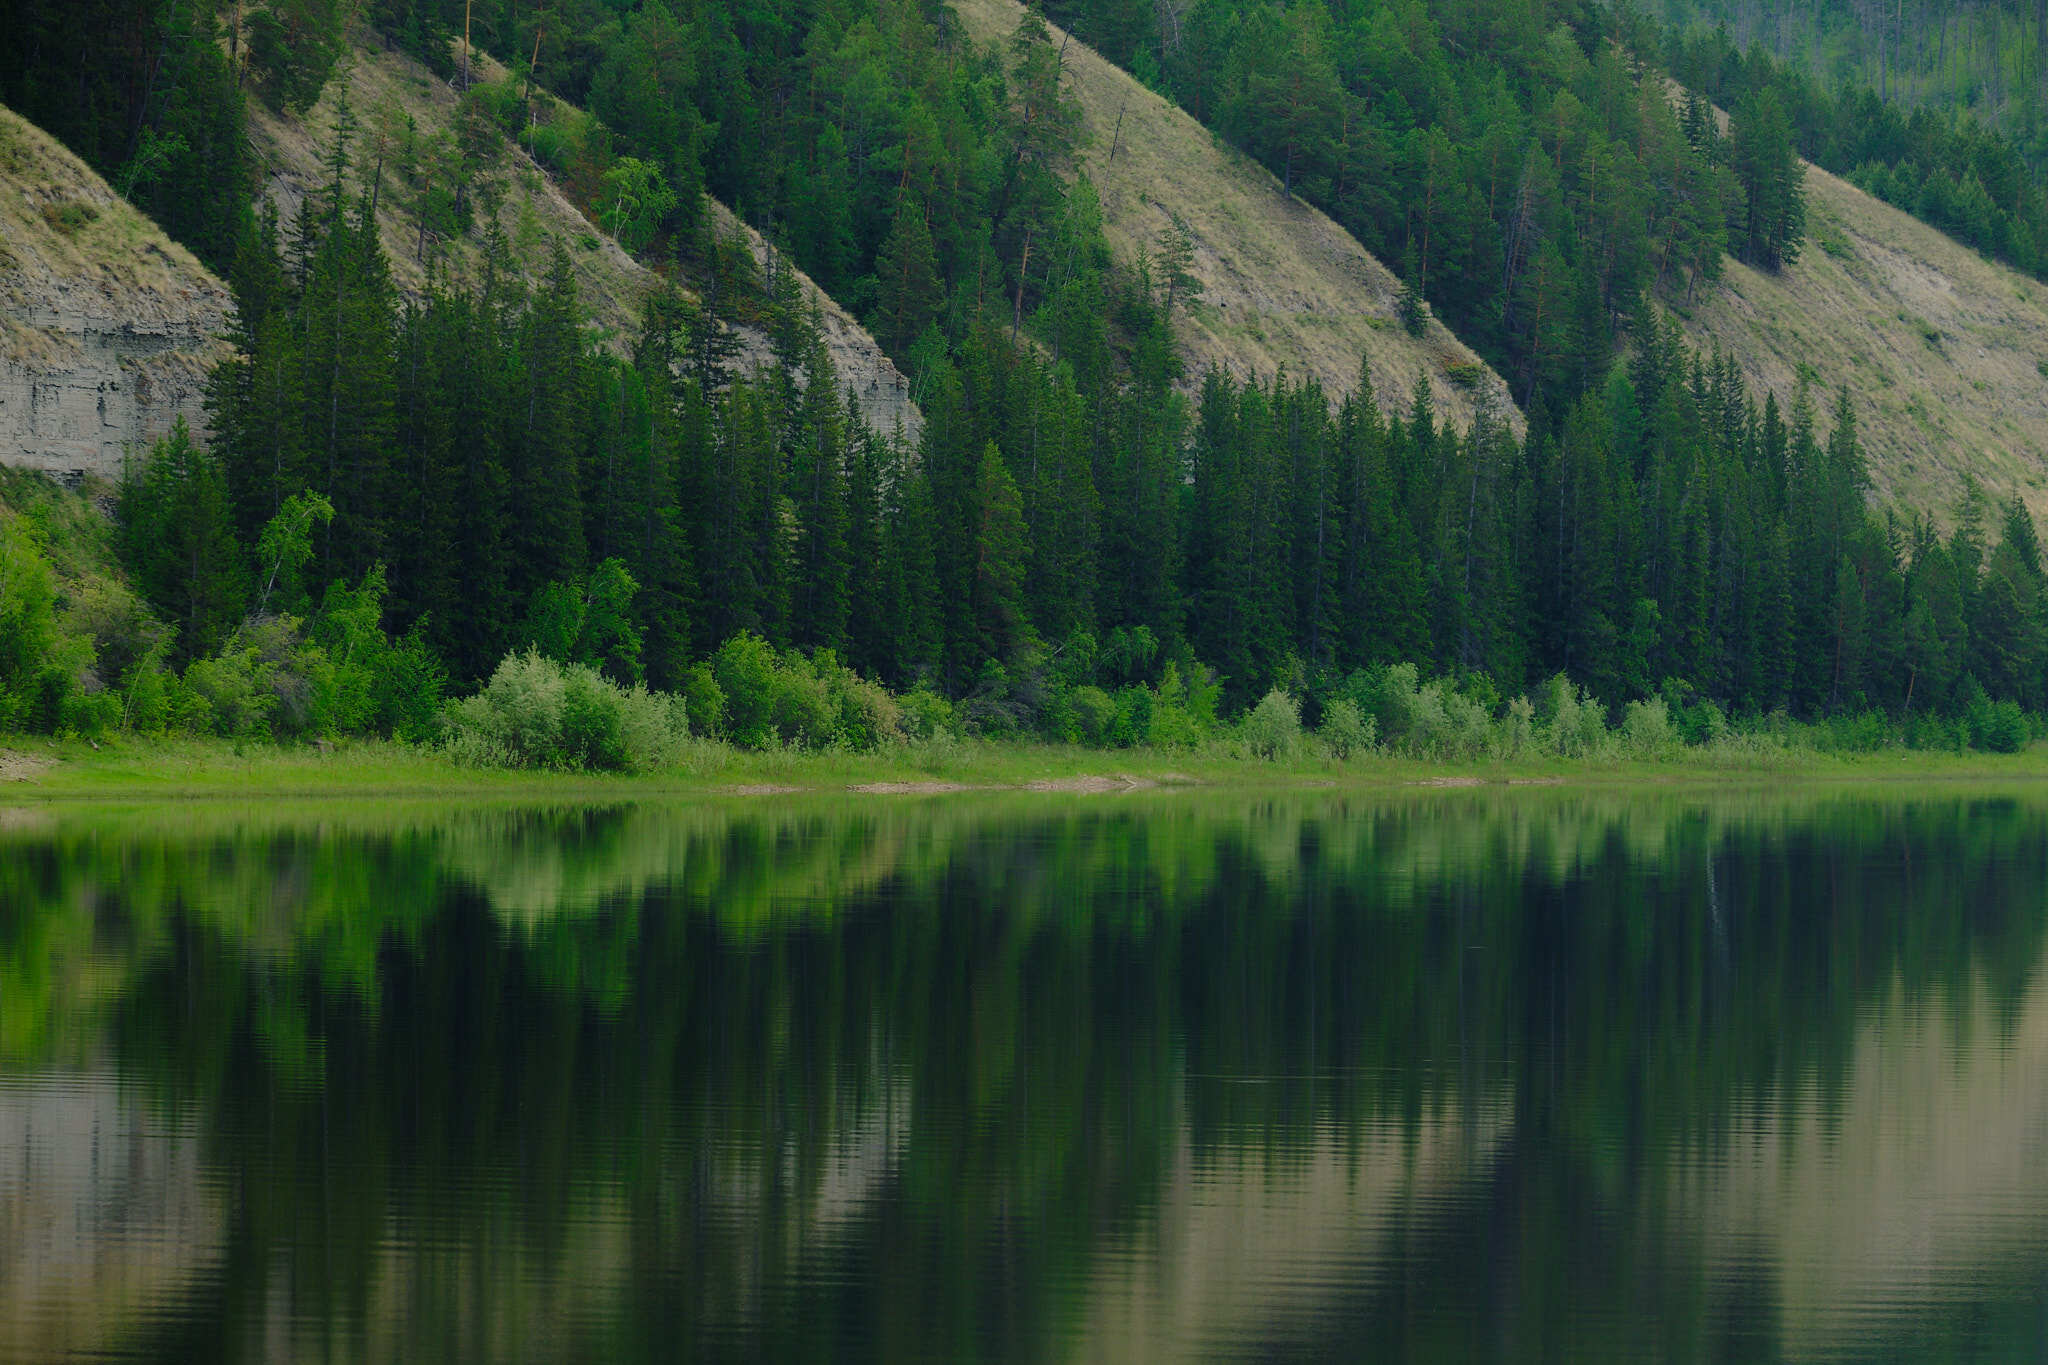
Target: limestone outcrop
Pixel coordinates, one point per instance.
(107, 327)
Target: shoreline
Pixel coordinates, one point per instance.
(35, 769)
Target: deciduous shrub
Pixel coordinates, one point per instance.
(1345, 731)
(1647, 730)
(1574, 722)
(768, 698)
(1272, 729)
(538, 713)
(923, 714)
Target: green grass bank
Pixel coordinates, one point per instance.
(36, 768)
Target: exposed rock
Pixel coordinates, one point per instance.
(107, 327)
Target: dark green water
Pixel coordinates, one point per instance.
(1451, 1076)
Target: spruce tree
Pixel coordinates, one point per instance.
(1000, 548)
(908, 291)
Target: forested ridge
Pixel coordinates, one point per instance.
(402, 497)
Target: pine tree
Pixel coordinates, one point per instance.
(1000, 548)
(1771, 224)
(1409, 307)
(176, 534)
(1174, 266)
(908, 291)
(544, 451)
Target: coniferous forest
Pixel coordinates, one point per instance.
(401, 494)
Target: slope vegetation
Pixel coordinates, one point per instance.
(383, 89)
(107, 327)
(1282, 285)
(1944, 353)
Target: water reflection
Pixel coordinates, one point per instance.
(1453, 1075)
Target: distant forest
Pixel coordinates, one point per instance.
(1071, 517)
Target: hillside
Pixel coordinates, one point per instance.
(1282, 285)
(107, 327)
(1945, 353)
(383, 88)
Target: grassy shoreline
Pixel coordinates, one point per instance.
(34, 768)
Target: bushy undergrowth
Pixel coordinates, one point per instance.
(758, 697)
(82, 653)
(536, 712)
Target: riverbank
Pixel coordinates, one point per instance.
(33, 767)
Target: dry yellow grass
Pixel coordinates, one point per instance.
(1941, 350)
(385, 86)
(70, 245)
(107, 327)
(1282, 285)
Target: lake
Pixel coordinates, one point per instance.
(1519, 1075)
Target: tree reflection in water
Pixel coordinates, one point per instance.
(1437, 1075)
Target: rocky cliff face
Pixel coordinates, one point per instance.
(107, 327)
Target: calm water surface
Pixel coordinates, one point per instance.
(1446, 1076)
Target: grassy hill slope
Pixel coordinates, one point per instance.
(383, 88)
(1282, 285)
(1944, 353)
(107, 327)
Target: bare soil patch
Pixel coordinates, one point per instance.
(1093, 785)
(16, 766)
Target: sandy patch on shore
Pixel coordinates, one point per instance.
(16, 766)
(1091, 786)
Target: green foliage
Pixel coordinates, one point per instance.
(637, 199)
(261, 683)
(514, 483)
(1574, 725)
(293, 45)
(1646, 729)
(368, 683)
(1409, 307)
(924, 715)
(1927, 121)
(909, 293)
(1272, 730)
(773, 699)
(538, 713)
(1770, 224)
(144, 92)
(589, 622)
(1997, 727)
(33, 673)
(177, 540)
(1345, 730)
(285, 547)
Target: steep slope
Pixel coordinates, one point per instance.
(1282, 285)
(383, 88)
(1944, 353)
(107, 327)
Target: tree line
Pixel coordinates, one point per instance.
(508, 481)
(1070, 518)
(1970, 171)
